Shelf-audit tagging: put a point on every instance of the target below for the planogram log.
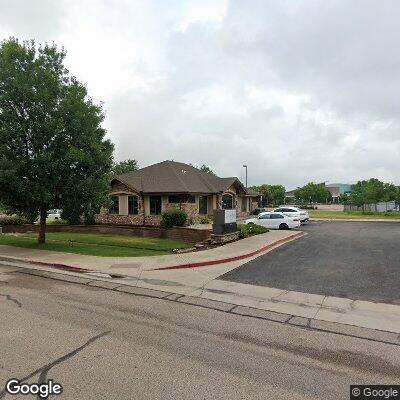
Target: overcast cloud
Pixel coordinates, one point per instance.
(298, 90)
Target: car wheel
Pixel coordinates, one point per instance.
(250, 223)
(283, 227)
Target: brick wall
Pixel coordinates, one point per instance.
(185, 234)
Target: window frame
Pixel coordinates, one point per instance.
(189, 199)
(201, 205)
(114, 209)
(244, 203)
(178, 198)
(135, 207)
(156, 209)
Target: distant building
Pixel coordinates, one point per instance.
(336, 189)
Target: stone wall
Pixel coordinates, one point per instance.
(104, 217)
(226, 238)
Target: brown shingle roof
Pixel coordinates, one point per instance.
(175, 177)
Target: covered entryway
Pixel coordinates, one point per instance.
(227, 201)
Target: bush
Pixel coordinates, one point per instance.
(250, 230)
(206, 220)
(57, 222)
(173, 217)
(12, 220)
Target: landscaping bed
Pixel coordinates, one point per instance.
(96, 244)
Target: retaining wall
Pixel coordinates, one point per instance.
(185, 234)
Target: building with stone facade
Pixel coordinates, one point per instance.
(140, 197)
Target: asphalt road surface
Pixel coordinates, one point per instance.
(101, 344)
(356, 260)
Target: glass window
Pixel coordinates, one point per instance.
(227, 202)
(203, 205)
(155, 205)
(277, 216)
(133, 205)
(181, 198)
(189, 198)
(174, 198)
(114, 209)
(244, 204)
(265, 216)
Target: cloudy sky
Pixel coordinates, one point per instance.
(298, 90)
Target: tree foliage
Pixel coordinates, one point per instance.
(272, 194)
(125, 166)
(206, 168)
(52, 148)
(373, 191)
(313, 193)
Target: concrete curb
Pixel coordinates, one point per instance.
(235, 258)
(311, 324)
(46, 264)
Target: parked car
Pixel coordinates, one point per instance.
(294, 212)
(54, 214)
(274, 220)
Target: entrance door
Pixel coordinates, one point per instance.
(227, 202)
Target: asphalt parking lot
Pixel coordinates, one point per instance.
(356, 260)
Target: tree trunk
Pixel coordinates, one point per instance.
(42, 226)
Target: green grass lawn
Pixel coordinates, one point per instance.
(96, 244)
(352, 214)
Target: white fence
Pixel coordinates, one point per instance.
(383, 206)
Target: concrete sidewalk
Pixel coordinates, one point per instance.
(128, 265)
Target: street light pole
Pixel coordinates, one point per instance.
(245, 166)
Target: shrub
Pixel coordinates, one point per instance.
(250, 230)
(173, 217)
(57, 222)
(206, 220)
(12, 220)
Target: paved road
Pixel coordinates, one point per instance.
(102, 344)
(357, 260)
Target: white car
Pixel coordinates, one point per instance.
(294, 212)
(54, 214)
(274, 220)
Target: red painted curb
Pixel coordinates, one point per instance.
(229, 259)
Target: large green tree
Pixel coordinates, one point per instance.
(125, 166)
(272, 194)
(52, 148)
(373, 191)
(313, 193)
(206, 168)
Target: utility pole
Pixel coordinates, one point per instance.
(245, 166)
